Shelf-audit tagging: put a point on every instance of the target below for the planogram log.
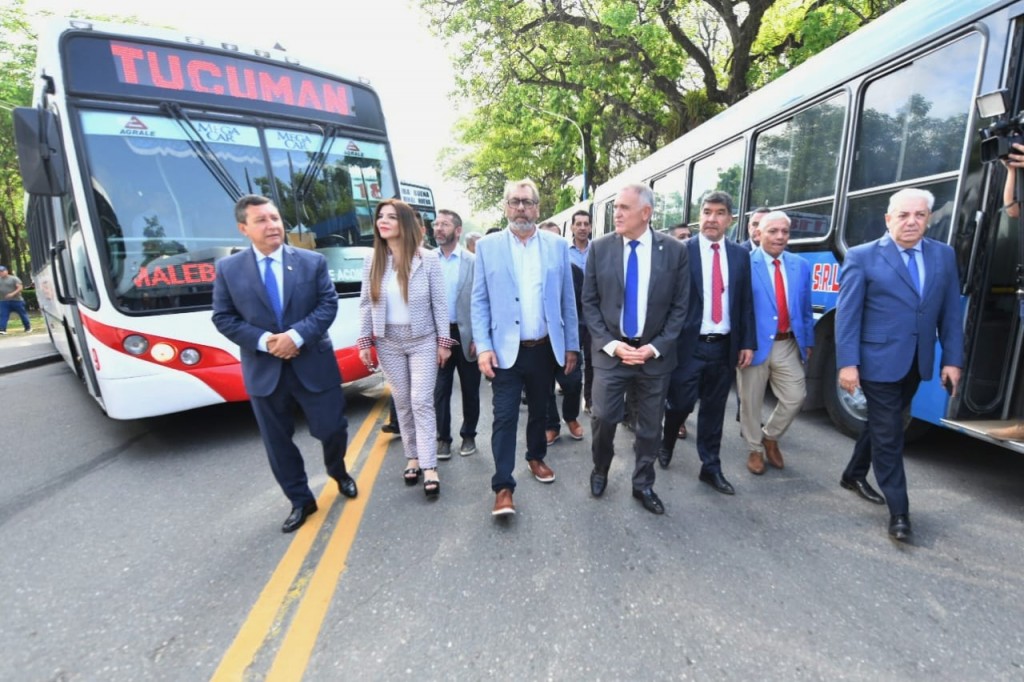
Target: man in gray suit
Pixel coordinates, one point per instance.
(524, 325)
(635, 310)
(457, 265)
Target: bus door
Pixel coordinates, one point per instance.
(992, 388)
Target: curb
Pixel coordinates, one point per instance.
(31, 362)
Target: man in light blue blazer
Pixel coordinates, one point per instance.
(784, 320)
(897, 294)
(524, 324)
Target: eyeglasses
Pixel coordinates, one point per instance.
(521, 203)
(442, 223)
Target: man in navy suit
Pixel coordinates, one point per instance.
(785, 334)
(277, 302)
(718, 337)
(897, 294)
(524, 324)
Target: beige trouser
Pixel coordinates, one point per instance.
(785, 371)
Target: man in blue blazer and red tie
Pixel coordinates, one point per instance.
(718, 337)
(277, 302)
(785, 334)
(897, 294)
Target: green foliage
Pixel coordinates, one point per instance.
(632, 74)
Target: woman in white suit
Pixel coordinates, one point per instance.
(403, 312)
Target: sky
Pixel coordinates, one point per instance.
(385, 41)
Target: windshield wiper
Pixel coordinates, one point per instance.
(202, 150)
(316, 164)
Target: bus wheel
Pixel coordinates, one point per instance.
(841, 415)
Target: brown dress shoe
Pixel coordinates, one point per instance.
(575, 430)
(503, 503)
(771, 451)
(552, 436)
(541, 471)
(755, 463)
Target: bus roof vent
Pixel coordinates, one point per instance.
(192, 40)
(230, 46)
(79, 24)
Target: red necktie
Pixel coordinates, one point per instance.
(717, 285)
(780, 298)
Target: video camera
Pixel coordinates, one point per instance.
(997, 140)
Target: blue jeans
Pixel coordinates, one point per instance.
(6, 307)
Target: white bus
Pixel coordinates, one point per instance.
(133, 153)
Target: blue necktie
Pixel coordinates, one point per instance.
(629, 313)
(270, 282)
(915, 276)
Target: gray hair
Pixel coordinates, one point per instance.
(643, 192)
(513, 185)
(775, 215)
(911, 193)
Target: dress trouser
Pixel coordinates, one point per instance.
(881, 441)
(469, 383)
(785, 371)
(325, 415)
(533, 369)
(572, 387)
(647, 396)
(410, 366)
(705, 376)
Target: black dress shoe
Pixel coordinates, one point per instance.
(899, 527)
(347, 486)
(862, 488)
(650, 500)
(664, 457)
(717, 481)
(297, 517)
(598, 482)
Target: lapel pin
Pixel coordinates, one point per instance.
(289, 267)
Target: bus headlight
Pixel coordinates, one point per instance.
(163, 352)
(190, 356)
(135, 344)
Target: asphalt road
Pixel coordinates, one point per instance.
(151, 550)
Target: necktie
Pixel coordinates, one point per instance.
(717, 285)
(629, 309)
(270, 282)
(915, 276)
(780, 298)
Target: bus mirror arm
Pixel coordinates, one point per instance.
(59, 275)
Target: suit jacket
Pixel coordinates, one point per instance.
(604, 293)
(495, 308)
(881, 320)
(428, 301)
(242, 313)
(798, 302)
(464, 301)
(742, 332)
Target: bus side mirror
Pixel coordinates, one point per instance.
(40, 152)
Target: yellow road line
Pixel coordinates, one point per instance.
(258, 624)
(293, 655)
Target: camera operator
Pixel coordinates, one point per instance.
(1013, 161)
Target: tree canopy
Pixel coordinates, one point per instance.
(632, 74)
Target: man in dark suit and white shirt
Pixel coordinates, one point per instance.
(277, 302)
(457, 266)
(718, 337)
(897, 294)
(634, 302)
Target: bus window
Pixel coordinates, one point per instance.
(669, 199)
(914, 121)
(798, 160)
(722, 171)
(866, 219)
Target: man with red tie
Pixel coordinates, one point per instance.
(781, 284)
(718, 337)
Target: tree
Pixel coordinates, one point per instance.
(633, 74)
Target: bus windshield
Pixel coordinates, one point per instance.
(164, 195)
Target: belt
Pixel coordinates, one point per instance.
(782, 336)
(631, 340)
(712, 338)
(530, 343)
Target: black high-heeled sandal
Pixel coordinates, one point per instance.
(412, 475)
(431, 486)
